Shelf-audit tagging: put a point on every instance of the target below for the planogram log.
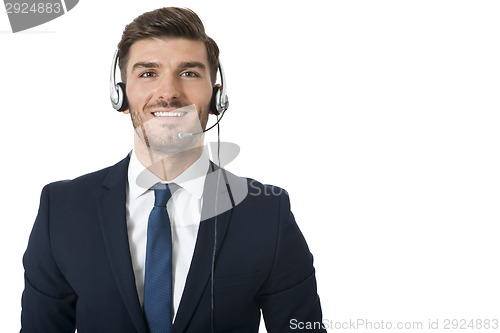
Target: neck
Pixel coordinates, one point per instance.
(166, 166)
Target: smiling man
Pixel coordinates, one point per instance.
(169, 89)
(165, 240)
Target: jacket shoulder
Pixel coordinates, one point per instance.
(256, 188)
(249, 188)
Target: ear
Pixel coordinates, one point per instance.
(127, 111)
(213, 103)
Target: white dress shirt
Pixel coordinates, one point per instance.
(184, 211)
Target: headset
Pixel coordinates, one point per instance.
(218, 105)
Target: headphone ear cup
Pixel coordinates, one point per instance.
(120, 88)
(214, 103)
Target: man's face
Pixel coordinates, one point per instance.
(162, 76)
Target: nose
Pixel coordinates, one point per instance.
(168, 88)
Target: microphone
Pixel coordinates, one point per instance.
(183, 135)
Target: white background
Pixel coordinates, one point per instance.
(380, 118)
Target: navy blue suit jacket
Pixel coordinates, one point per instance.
(78, 269)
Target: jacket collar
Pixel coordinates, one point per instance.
(222, 192)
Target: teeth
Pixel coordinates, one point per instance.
(169, 114)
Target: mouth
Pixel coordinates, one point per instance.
(169, 114)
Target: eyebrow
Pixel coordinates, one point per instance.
(192, 64)
(185, 64)
(145, 65)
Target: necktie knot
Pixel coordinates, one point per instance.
(163, 193)
(162, 196)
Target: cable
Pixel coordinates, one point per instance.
(212, 298)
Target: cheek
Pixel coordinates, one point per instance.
(137, 96)
(203, 100)
(204, 109)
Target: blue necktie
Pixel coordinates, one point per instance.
(158, 276)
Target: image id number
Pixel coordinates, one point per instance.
(36, 8)
(472, 324)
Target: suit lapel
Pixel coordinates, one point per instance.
(112, 213)
(201, 264)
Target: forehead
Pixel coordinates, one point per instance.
(167, 51)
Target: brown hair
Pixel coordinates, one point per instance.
(169, 22)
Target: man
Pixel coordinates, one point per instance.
(165, 240)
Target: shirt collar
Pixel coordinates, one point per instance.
(140, 179)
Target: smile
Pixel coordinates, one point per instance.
(169, 114)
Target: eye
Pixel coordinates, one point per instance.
(189, 74)
(148, 74)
